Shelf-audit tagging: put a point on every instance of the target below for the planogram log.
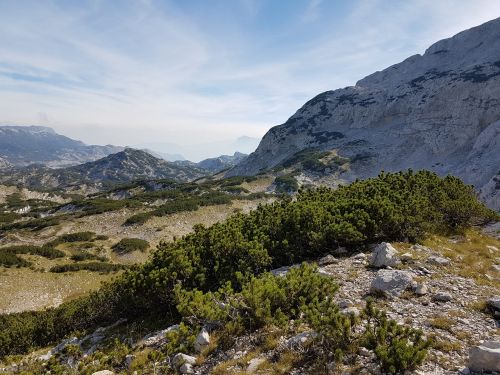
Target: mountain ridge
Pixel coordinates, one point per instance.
(25, 145)
(438, 111)
(122, 167)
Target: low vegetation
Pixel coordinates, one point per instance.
(9, 255)
(224, 262)
(127, 245)
(88, 266)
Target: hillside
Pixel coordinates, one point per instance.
(304, 286)
(24, 145)
(222, 162)
(123, 167)
(438, 111)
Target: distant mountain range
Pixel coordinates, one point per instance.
(222, 162)
(25, 145)
(200, 151)
(438, 111)
(121, 167)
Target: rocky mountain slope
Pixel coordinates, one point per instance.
(122, 167)
(222, 162)
(25, 145)
(438, 111)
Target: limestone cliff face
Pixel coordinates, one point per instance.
(438, 111)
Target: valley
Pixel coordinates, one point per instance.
(361, 237)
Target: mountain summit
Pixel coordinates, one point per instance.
(437, 111)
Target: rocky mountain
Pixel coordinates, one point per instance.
(121, 167)
(438, 111)
(25, 145)
(222, 162)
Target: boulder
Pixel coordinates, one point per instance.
(384, 255)
(327, 259)
(421, 289)
(103, 372)
(299, 340)
(391, 282)
(156, 338)
(350, 311)
(494, 303)
(438, 261)
(485, 357)
(202, 340)
(282, 271)
(186, 368)
(407, 258)
(181, 358)
(442, 297)
(339, 251)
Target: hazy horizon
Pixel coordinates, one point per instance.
(194, 73)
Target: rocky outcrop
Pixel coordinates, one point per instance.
(391, 283)
(437, 111)
(222, 162)
(384, 255)
(485, 357)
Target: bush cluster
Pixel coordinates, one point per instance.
(8, 255)
(127, 245)
(399, 206)
(100, 267)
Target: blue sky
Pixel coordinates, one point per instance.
(198, 71)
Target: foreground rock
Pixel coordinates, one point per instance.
(202, 340)
(391, 282)
(384, 255)
(485, 357)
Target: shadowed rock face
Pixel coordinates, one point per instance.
(438, 111)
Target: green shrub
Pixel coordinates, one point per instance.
(81, 256)
(397, 347)
(75, 237)
(127, 245)
(138, 218)
(8, 255)
(9, 217)
(286, 184)
(90, 266)
(400, 206)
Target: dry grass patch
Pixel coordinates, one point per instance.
(473, 255)
(441, 322)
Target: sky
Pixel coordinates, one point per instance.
(197, 72)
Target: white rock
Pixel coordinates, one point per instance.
(384, 255)
(103, 372)
(202, 340)
(350, 311)
(181, 358)
(391, 282)
(406, 257)
(156, 338)
(485, 357)
(254, 363)
(186, 368)
(421, 289)
(299, 340)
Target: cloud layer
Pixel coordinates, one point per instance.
(192, 72)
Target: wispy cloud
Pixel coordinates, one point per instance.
(189, 72)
